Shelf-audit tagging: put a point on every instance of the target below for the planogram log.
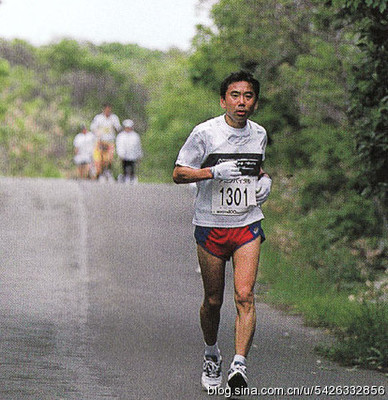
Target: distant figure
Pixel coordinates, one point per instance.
(84, 143)
(129, 150)
(105, 126)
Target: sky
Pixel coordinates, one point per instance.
(154, 24)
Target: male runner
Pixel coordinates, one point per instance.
(224, 155)
(105, 126)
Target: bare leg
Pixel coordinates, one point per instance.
(245, 261)
(83, 171)
(98, 167)
(213, 276)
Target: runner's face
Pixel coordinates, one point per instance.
(240, 102)
(107, 111)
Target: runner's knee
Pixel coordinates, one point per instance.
(213, 303)
(244, 297)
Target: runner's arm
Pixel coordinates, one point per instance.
(116, 124)
(189, 175)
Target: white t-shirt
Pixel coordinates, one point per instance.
(104, 127)
(128, 146)
(84, 143)
(225, 204)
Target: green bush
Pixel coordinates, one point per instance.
(360, 328)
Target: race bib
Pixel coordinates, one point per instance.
(234, 196)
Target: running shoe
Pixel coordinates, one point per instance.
(237, 376)
(212, 374)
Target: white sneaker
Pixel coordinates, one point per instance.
(237, 376)
(212, 373)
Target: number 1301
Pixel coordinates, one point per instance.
(235, 196)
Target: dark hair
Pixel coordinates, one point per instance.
(238, 77)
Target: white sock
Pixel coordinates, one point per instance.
(241, 359)
(212, 350)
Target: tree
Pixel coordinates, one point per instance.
(369, 95)
(175, 107)
(258, 35)
(291, 47)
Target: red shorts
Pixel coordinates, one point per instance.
(223, 242)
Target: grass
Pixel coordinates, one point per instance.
(364, 342)
(359, 325)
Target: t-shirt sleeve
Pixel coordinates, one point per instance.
(76, 141)
(264, 144)
(192, 152)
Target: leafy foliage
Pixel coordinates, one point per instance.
(176, 106)
(4, 71)
(52, 90)
(369, 92)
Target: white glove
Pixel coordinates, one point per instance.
(226, 170)
(263, 188)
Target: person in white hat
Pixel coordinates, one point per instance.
(129, 150)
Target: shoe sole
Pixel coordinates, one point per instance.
(237, 381)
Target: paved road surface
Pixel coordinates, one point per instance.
(99, 300)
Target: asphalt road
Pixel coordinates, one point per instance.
(99, 299)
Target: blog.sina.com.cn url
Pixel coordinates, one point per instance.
(314, 390)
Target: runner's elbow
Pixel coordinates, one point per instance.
(178, 175)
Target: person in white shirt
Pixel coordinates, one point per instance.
(83, 151)
(129, 150)
(223, 156)
(105, 126)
